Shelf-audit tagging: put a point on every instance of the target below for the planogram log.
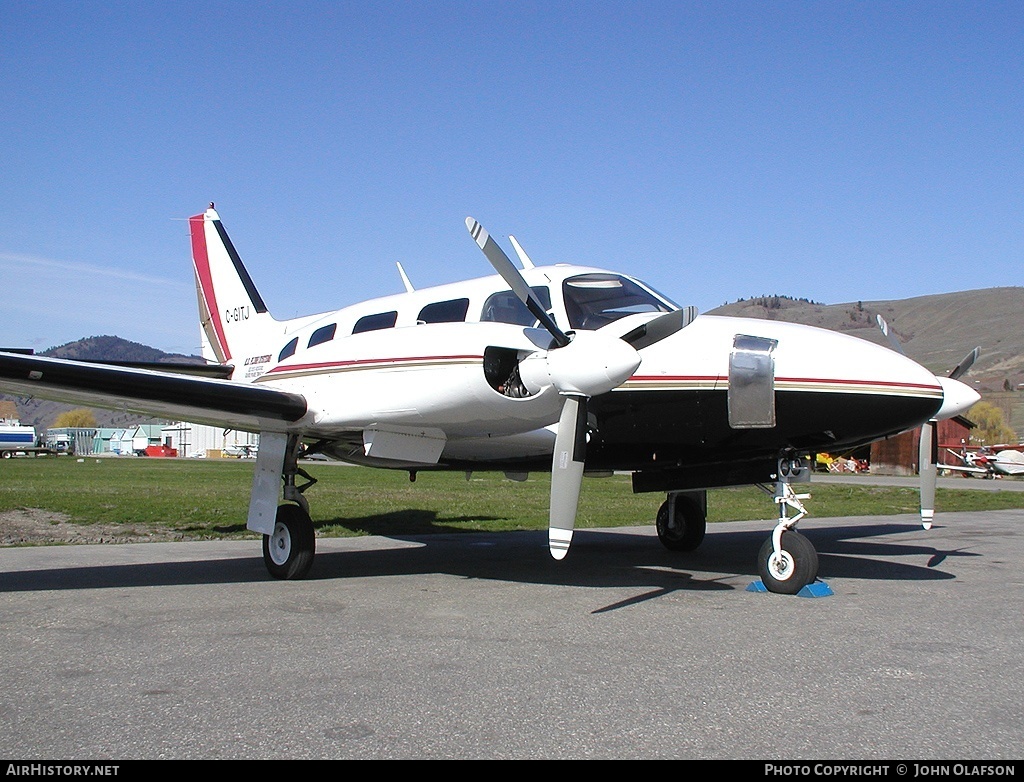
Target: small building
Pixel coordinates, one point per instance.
(121, 442)
(103, 442)
(146, 435)
(133, 440)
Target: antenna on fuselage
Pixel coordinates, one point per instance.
(524, 259)
(405, 278)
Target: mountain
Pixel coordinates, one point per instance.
(42, 413)
(108, 348)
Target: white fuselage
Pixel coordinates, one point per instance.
(428, 379)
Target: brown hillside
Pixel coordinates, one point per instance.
(937, 331)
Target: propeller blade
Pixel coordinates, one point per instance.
(567, 473)
(961, 369)
(928, 472)
(663, 326)
(893, 342)
(511, 275)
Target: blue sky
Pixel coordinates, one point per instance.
(836, 151)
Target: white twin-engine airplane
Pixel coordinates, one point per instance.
(564, 368)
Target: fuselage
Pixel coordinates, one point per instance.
(434, 363)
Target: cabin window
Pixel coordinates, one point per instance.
(452, 311)
(505, 307)
(595, 300)
(322, 334)
(382, 320)
(288, 350)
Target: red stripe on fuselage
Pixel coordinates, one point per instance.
(813, 380)
(202, 262)
(368, 361)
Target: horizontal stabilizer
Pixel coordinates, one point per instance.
(222, 371)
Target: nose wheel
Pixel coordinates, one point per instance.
(787, 561)
(789, 568)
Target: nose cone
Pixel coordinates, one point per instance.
(957, 398)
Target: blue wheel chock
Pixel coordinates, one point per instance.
(815, 589)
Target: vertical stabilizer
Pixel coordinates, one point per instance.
(235, 321)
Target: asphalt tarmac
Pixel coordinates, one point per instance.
(482, 646)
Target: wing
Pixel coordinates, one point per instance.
(963, 468)
(153, 392)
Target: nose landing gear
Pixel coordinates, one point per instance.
(787, 562)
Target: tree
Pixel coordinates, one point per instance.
(75, 419)
(992, 428)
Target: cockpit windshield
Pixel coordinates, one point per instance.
(594, 300)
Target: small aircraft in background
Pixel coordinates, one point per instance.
(986, 463)
(563, 369)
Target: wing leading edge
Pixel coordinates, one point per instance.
(152, 392)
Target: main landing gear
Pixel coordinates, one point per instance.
(682, 520)
(288, 551)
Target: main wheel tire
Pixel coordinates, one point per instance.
(684, 532)
(288, 552)
(794, 568)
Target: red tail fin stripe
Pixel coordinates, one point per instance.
(202, 261)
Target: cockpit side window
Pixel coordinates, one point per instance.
(322, 334)
(452, 311)
(595, 300)
(505, 307)
(382, 320)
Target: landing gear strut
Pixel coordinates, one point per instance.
(288, 551)
(681, 521)
(787, 562)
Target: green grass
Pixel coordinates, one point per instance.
(209, 498)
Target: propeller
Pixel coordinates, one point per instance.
(579, 365)
(928, 472)
(961, 369)
(889, 335)
(515, 281)
(956, 398)
(927, 456)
